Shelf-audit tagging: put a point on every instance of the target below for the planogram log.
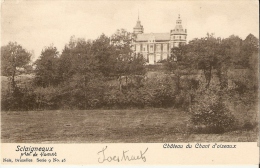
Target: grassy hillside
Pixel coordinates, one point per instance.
(85, 126)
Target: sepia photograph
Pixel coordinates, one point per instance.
(129, 71)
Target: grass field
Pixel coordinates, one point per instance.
(127, 126)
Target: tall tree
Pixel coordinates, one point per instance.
(105, 54)
(121, 39)
(80, 57)
(46, 67)
(173, 63)
(227, 58)
(79, 67)
(249, 46)
(231, 47)
(13, 58)
(206, 53)
(250, 51)
(127, 63)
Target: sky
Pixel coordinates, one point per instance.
(35, 24)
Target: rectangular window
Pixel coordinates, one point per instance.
(158, 57)
(164, 47)
(151, 48)
(164, 56)
(145, 48)
(145, 56)
(158, 47)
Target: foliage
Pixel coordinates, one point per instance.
(105, 73)
(214, 117)
(13, 58)
(210, 114)
(121, 39)
(76, 94)
(105, 54)
(47, 98)
(46, 73)
(164, 94)
(249, 46)
(18, 99)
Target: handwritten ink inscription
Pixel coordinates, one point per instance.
(103, 157)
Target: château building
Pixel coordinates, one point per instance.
(157, 46)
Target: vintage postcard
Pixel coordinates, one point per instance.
(129, 82)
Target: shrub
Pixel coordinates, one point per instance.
(210, 115)
(11, 100)
(214, 118)
(164, 96)
(47, 98)
(134, 98)
(18, 99)
(78, 94)
(114, 98)
(244, 79)
(164, 92)
(182, 100)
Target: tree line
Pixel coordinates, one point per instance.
(106, 73)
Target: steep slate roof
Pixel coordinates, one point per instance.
(157, 36)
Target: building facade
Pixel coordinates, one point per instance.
(156, 47)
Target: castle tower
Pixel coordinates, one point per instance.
(138, 29)
(178, 34)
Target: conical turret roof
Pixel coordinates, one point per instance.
(178, 28)
(138, 27)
